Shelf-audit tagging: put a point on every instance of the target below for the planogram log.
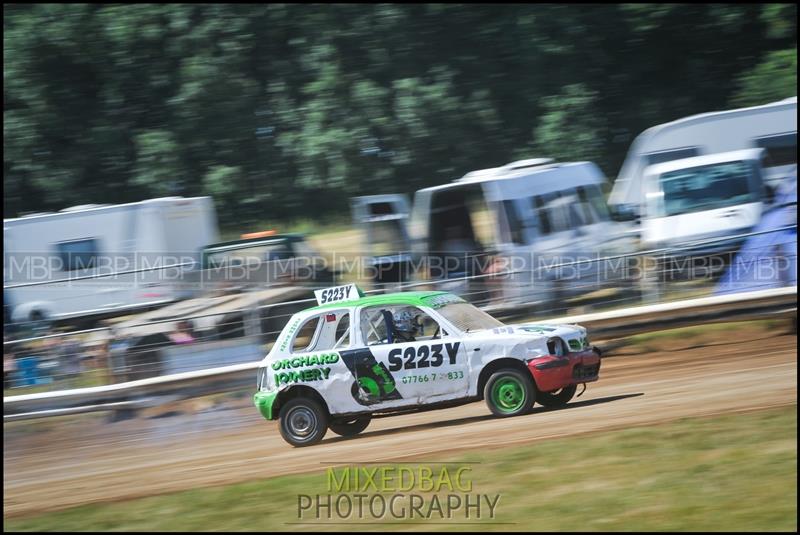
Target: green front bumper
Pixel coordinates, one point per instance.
(263, 402)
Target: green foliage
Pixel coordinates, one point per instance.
(284, 111)
(775, 78)
(568, 128)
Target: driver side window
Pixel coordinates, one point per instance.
(398, 324)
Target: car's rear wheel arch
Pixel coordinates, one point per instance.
(499, 364)
(298, 391)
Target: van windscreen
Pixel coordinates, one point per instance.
(708, 187)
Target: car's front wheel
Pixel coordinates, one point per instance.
(350, 427)
(303, 422)
(558, 398)
(509, 392)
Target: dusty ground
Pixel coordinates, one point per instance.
(58, 463)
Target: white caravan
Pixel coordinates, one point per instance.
(51, 262)
(702, 198)
(772, 127)
(532, 215)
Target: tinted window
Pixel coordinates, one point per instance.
(780, 149)
(78, 254)
(669, 155)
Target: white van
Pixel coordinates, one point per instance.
(532, 214)
(772, 127)
(702, 198)
(50, 261)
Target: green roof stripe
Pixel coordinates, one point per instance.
(400, 298)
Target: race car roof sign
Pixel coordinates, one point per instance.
(348, 292)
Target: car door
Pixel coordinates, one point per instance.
(393, 372)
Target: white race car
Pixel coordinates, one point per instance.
(338, 364)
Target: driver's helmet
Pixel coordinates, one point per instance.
(407, 323)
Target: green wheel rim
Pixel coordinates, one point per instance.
(508, 395)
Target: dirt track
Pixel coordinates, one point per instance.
(60, 463)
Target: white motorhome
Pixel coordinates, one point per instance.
(533, 214)
(699, 199)
(96, 259)
(772, 127)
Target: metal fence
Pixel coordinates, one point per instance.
(109, 354)
(132, 395)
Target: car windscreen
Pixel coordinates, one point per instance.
(467, 317)
(708, 187)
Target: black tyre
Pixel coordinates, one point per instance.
(509, 392)
(353, 426)
(303, 422)
(558, 398)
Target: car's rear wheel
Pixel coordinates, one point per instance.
(303, 422)
(350, 427)
(509, 392)
(557, 398)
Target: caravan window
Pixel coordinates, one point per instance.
(669, 155)
(780, 149)
(78, 254)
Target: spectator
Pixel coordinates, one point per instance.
(117, 353)
(70, 358)
(182, 334)
(9, 364)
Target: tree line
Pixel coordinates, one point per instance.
(284, 111)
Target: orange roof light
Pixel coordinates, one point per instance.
(262, 234)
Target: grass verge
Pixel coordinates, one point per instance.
(736, 472)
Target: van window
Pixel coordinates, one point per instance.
(559, 212)
(781, 149)
(580, 210)
(708, 187)
(78, 254)
(673, 154)
(514, 224)
(592, 197)
(542, 205)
